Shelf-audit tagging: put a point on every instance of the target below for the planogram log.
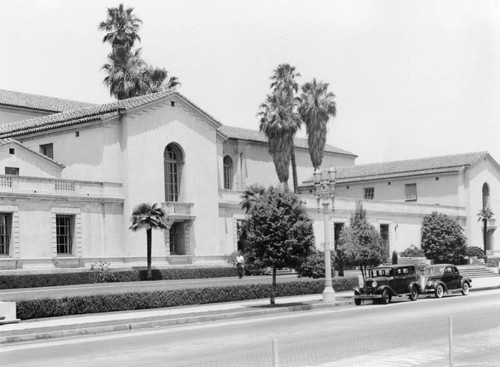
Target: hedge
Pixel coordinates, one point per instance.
(89, 277)
(50, 307)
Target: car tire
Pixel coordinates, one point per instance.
(439, 292)
(386, 297)
(465, 288)
(357, 302)
(414, 293)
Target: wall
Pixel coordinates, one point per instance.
(29, 163)
(11, 114)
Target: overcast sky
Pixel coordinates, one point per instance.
(412, 78)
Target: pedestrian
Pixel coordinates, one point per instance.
(240, 262)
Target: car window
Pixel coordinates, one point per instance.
(448, 270)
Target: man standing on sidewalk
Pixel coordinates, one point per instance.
(240, 262)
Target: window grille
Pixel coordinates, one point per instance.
(228, 172)
(411, 192)
(173, 161)
(64, 234)
(47, 150)
(5, 229)
(369, 193)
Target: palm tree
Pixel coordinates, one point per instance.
(156, 79)
(279, 122)
(250, 196)
(316, 107)
(285, 87)
(147, 216)
(484, 215)
(122, 27)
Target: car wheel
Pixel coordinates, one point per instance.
(465, 288)
(386, 297)
(439, 291)
(357, 302)
(414, 293)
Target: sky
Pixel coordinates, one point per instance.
(412, 79)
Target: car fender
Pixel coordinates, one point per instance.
(382, 288)
(415, 283)
(445, 288)
(357, 289)
(466, 280)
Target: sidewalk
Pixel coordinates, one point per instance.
(142, 319)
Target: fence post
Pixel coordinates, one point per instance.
(276, 360)
(450, 335)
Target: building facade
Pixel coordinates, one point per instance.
(71, 174)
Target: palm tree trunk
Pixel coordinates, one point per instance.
(273, 288)
(485, 231)
(149, 275)
(294, 170)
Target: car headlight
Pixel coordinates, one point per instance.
(374, 284)
(429, 284)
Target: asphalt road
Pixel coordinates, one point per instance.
(403, 333)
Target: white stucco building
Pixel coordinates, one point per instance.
(71, 174)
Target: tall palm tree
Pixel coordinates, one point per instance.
(156, 79)
(285, 87)
(279, 122)
(148, 217)
(484, 215)
(122, 27)
(316, 107)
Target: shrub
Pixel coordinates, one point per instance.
(443, 239)
(87, 277)
(475, 251)
(314, 266)
(394, 258)
(102, 272)
(492, 262)
(51, 307)
(413, 251)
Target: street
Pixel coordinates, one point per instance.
(402, 333)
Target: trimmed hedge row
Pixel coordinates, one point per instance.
(30, 309)
(89, 277)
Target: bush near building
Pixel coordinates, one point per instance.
(314, 266)
(475, 251)
(443, 239)
(51, 307)
(413, 251)
(89, 277)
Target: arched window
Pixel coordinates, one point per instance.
(173, 160)
(486, 196)
(228, 172)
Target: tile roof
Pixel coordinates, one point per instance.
(254, 135)
(410, 167)
(37, 102)
(82, 115)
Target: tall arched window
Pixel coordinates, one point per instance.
(173, 160)
(228, 172)
(486, 196)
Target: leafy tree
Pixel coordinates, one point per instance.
(314, 265)
(361, 244)
(484, 215)
(250, 196)
(316, 107)
(278, 232)
(443, 239)
(279, 122)
(285, 87)
(148, 217)
(128, 75)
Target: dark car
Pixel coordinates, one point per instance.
(385, 282)
(444, 278)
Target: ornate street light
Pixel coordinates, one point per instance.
(324, 182)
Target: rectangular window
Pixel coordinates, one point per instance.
(5, 229)
(369, 193)
(411, 192)
(47, 150)
(384, 233)
(64, 234)
(12, 171)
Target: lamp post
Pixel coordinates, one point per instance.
(324, 182)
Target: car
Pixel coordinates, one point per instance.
(444, 279)
(385, 282)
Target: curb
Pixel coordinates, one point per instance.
(152, 322)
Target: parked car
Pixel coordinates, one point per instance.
(385, 282)
(444, 278)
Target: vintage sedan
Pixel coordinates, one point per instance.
(444, 279)
(385, 282)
